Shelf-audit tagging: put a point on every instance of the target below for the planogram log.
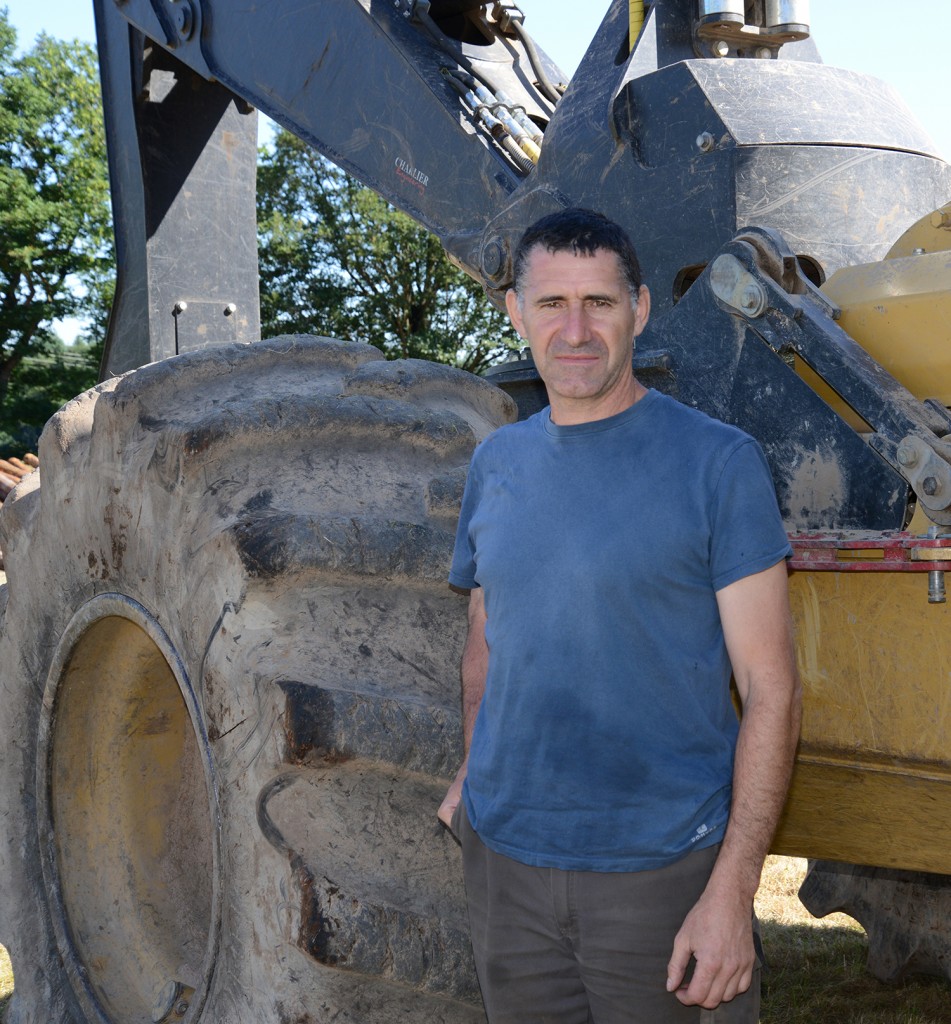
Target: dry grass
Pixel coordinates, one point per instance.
(778, 898)
(815, 969)
(6, 979)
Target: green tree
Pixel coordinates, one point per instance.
(56, 257)
(43, 382)
(337, 260)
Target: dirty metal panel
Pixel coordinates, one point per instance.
(824, 471)
(862, 814)
(776, 102)
(682, 185)
(200, 323)
(873, 657)
(826, 476)
(874, 661)
(182, 165)
(839, 205)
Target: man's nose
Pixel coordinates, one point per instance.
(575, 327)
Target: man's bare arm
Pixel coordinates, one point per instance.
(475, 665)
(758, 632)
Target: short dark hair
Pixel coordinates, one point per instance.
(583, 231)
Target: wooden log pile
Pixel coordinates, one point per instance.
(12, 471)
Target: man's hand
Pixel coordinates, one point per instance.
(451, 800)
(718, 933)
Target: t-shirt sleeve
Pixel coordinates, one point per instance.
(747, 532)
(462, 572)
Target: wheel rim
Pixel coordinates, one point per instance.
(130, 852)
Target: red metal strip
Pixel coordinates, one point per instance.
(852, 552)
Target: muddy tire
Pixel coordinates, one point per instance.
(230, 694)
(904, 913)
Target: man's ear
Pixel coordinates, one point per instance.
(515, 314)
(642, 310)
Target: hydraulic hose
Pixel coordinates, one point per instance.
(552, 92)
(532, 129)
(520, 137)
(500, 110)
(468, 88)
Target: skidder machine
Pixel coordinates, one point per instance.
(229, 655)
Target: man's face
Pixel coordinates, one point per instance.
(580, 320)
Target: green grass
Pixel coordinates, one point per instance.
(818, 974)
(815, 969)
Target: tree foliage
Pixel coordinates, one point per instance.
(55, 227)
(337, 260)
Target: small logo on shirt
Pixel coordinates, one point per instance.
(702, 832)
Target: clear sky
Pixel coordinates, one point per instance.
(901, 43)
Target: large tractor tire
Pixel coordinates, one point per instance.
(230, 694)
(905, 914)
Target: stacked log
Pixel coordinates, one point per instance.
(12, 471)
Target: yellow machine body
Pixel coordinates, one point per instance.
(872, 783)
(899, 310)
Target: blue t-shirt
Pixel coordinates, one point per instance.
(606, 735)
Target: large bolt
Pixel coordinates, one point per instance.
(941, 218)
(184, 18)
(906, 455)
(721, 47)
(705, 142)
(493, 258)
(179, 307)
(930, 486)
(753, 300)
(172, 1002)
(164, 1004)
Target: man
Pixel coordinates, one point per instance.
(622, 553)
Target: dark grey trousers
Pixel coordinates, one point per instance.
(583, 947)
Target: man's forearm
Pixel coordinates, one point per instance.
(475, 665)
(763, 763)
(758, 631)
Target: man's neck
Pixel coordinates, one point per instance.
(566, 412)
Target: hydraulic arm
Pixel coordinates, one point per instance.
(685, 122)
